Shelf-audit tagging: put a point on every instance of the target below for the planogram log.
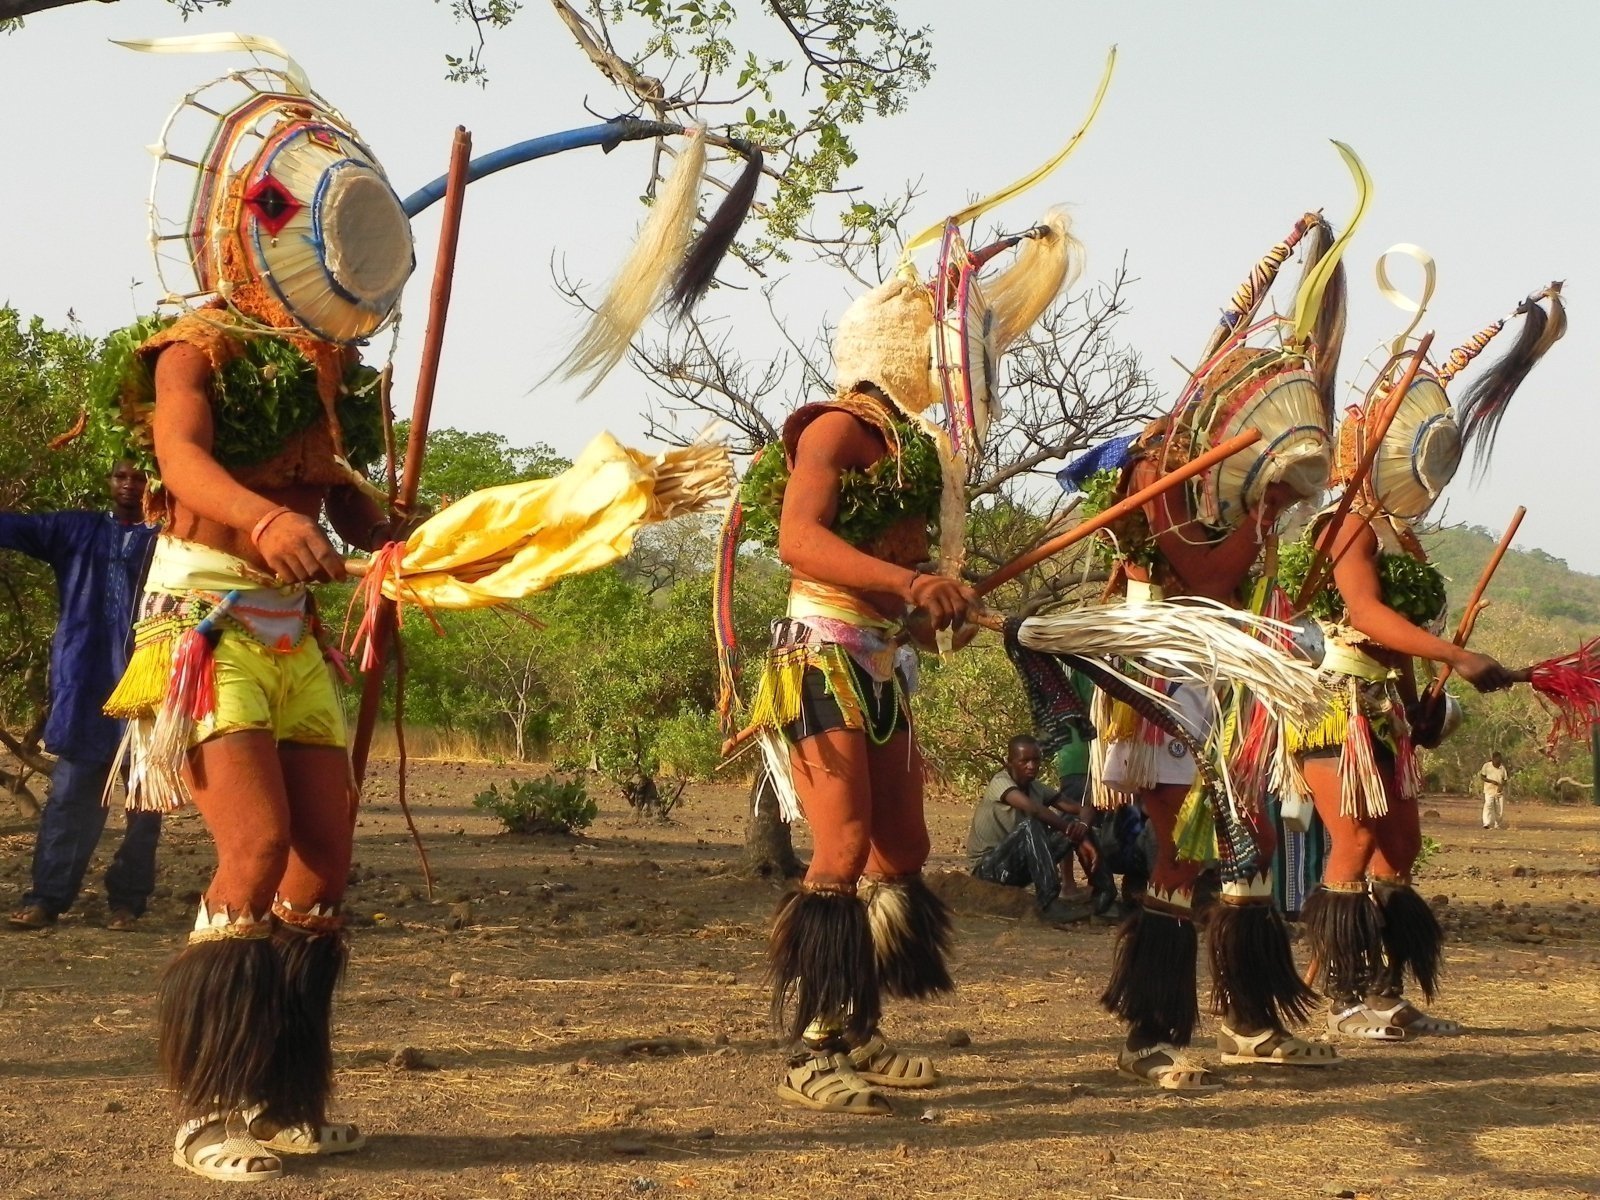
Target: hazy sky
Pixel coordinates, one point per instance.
(1476, 120)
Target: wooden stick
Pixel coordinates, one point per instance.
(1476, 602)
(1118, 510)
(416, 444)
(1330, 532)
(421, 412)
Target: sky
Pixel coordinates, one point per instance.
(1475, 120)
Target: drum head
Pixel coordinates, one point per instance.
(1420, 451)
(1269, 391)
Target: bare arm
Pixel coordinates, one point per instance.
(1355, 572)
(184, 438)
(291, 544)
(1025, 804)
(832, 444)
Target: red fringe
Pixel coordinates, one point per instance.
(1570, 687)
(192, 689)
(368, 598)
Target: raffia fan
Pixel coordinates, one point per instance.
(1193, 641)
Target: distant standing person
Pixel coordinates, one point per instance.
(97, 558)
(1494, 775)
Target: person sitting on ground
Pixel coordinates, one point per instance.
(1022, 833)
(98, 558)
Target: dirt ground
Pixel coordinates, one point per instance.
(584, 1017)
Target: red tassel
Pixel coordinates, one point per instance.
(1570, 688)
(192, 691)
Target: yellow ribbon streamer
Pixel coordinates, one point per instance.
(980, 207)
(1418, 307)
(223, 43)
(1309, 299)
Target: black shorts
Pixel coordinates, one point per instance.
(882, 706)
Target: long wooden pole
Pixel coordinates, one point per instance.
(1330, 531)
(1118, 510)
(1469, 615)
(416, 443)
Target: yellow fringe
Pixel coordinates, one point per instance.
(143, 685)
(1327, 733)
(1124, 724)
(777, 699)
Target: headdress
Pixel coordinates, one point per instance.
(936, 342)
(1285, 391)
(291, 221)
(1423, 445)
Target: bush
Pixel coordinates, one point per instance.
(1430, 850)
(546, 805)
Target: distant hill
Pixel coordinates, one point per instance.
(1540, 583)
(1538, 607)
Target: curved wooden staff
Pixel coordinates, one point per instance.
(406, 498)
(1475, 603)
(1320, 558)
(1118, 510)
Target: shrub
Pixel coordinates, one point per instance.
(546, 805)
(1430, 850)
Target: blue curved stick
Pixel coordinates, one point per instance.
(608, 134)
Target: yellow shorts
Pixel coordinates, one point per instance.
(288, 692)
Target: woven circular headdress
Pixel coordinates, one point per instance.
(290, 217)
(1427, 436)
(937, 342)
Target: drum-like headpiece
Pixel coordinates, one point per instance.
(1273, 391)
(291, 218)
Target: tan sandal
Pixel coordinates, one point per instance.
(1273, 1047)
(1181, 1072)
(338, 1138)
(1416, 1023)
(1364, 1024)
(828, 1083)
(880, 1063)
(234, 1157)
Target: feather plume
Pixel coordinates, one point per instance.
(716, 239)
(1327, 332)
(1484, 405)
(656, 255)
(1047, 262)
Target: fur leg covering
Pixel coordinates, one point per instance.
(1152, 984)
(910, 937)
(820, 962)
(1411, 938)
(302, 1061)
(1345, 933)
(1253, 976)
(219, 1007)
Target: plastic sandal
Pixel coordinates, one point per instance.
(339, 1138)
(1182, 1072)
(828, 1083)
(1416, 1023)
(1364, 1024)
(1273, 1047)
(878, 1062)
(236, 1158)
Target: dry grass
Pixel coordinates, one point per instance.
(596, 1029)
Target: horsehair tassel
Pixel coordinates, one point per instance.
(1463, 354)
